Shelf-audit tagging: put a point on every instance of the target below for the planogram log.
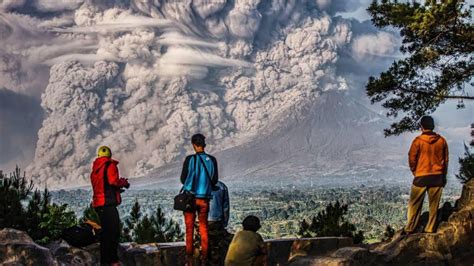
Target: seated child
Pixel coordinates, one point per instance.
(247, 246)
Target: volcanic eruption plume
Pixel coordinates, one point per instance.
(142, 76)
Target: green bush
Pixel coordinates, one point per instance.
(13, 191)
(331, 222)
(41, 219)
(147, 229)
(54, 220)
(389, 233)
(466, 169)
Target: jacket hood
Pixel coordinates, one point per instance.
(429, 137)
(100, 162)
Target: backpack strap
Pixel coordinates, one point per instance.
(193, 186)
(205, 168)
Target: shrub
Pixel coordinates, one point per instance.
(41, 219)
(388, 234)
(331, 222)
(466, 169)
(54, 220)
(154, 228)
(13, 190)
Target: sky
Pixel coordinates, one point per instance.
(142, 78)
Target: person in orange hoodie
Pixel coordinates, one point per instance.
(107, 186)
(428, 160)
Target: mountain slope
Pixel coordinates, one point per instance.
(332, 136)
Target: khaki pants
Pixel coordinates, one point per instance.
(416, 203)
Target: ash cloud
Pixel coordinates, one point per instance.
(143, 76)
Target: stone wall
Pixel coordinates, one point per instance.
(280, 251)
(17, 248)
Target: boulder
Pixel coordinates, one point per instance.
(321, 261)
(318, 246)
(467, 196)
(152, 254)
(68, 255)
(17, 248)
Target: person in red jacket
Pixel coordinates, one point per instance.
(107, 186)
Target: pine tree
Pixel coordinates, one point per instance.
(437, 41)
(166, 230)
(331, 222)
(131, 222)
(42, 220)
(34, 213)
(155, 228)
(13, 190)
(144, 231)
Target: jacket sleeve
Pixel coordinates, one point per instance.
(113, 175)
(215, 177)
(226, 206)
(413, 155)
(184, 171)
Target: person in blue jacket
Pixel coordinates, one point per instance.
(199, 175)
(219, 238)
(219, 208)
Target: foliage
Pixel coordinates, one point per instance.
(131, 222)
(388, 234)
(41, 219)
(13, 190)
(156, 228)
(437, 41)
(331, 222)
(144, 231)
(466, 169)
(166, 230)
(54, 220)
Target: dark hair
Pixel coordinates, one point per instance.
(427, 122)
(251, 223)
(198, 140)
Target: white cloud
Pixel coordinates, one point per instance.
(57, 5)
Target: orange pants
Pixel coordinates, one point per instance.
(202, 209)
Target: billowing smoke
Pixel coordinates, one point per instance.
(143, 76)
